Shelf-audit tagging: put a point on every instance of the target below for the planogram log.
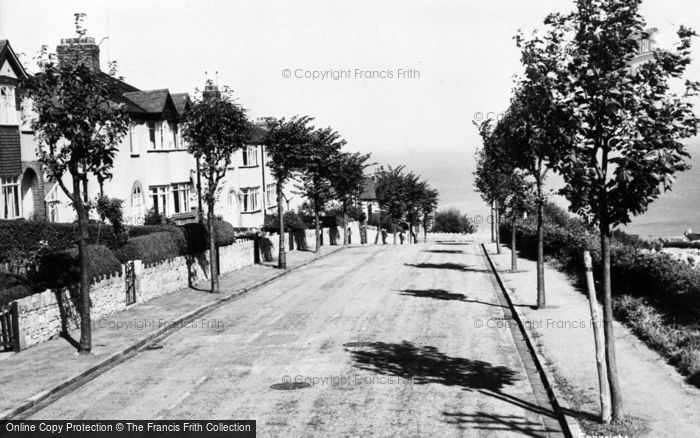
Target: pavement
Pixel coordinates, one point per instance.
(372, 341)
(31, 375)
(654, 394)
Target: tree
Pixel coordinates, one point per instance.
(429, 202)
(78, 128)
(315, 172)
(285, 142)
(453, 221)
(625, 144)
(521, 199)
(347, 181)
(389, 187)
(214, 128)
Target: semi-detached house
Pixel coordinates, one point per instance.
(152, 169)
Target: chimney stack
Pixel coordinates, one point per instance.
(81, 50)
(211, 91)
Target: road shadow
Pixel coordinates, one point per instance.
(442, 294)
(426, 364)
(444, 251)
(440, 242)
(498, 423)
(451, 266)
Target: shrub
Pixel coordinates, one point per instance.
(453, 221)
(292, 221)
(224, 234)
(62, 268)
(111, 209)
(151, 248)
(13, 287)
(196, 237)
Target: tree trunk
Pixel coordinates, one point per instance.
(85, 327)
(318, 226)
(541, 301)
(610, 357)
(513, 254)
(282, 256)
(379, 228)
(425, 230)
(497, 223)
(345, 224)
(603, 384)
(213, 259)
(393, 230)
(493, 222)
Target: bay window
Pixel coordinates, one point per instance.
(9, 198)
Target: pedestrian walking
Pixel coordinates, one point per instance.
(401, 237)
(349, 235)
(384, 236)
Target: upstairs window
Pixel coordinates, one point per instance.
(152, 134)
(174, 132)
(8, 106)
(250, 156)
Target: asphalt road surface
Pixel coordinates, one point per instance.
(371, 341)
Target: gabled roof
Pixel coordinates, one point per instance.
(181, 101)
(153, 102)
(7, 54)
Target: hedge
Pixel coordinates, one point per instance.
(62, 268)
(151, 248)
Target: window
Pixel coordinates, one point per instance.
(161, 128)
(133, 147)
(52, 204)
(9, 198)
(250, 199)
(159, 199)
(152, 134)
(250, 156)
(8, 110)
(174, 133)
(271, 193)
(181, 198)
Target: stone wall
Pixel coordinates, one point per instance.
(45, 315)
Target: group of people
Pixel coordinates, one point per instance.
(402, 236)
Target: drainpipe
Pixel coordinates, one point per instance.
(264, 187)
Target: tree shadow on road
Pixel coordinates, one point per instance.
(452, 266)
(444, 251)
(442, 294)
(426, 364)
(496, 423)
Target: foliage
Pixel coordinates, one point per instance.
(285, 144)
(153, 217)
(224, 234)
(214, 128)
(347, 176)
(111, 209)
(453, 221)
(292, 221)
(151, 248)
(62, 268)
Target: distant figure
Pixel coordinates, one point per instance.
(413, 236)
(401, 237)
(349, 235)
(383, 236)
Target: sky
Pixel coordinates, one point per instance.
(411, 76)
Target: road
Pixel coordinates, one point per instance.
(376, 341)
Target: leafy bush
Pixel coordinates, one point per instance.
(62, 268)
(292, 221)
(151, 248)
(111, 209)
(453, 221)
(224, 234)
(13, 287)
(196, 237)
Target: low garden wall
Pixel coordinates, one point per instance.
(45, 315)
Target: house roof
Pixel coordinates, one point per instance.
(369, 191)
(181, 101)
(153, 102)
(6, 53)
